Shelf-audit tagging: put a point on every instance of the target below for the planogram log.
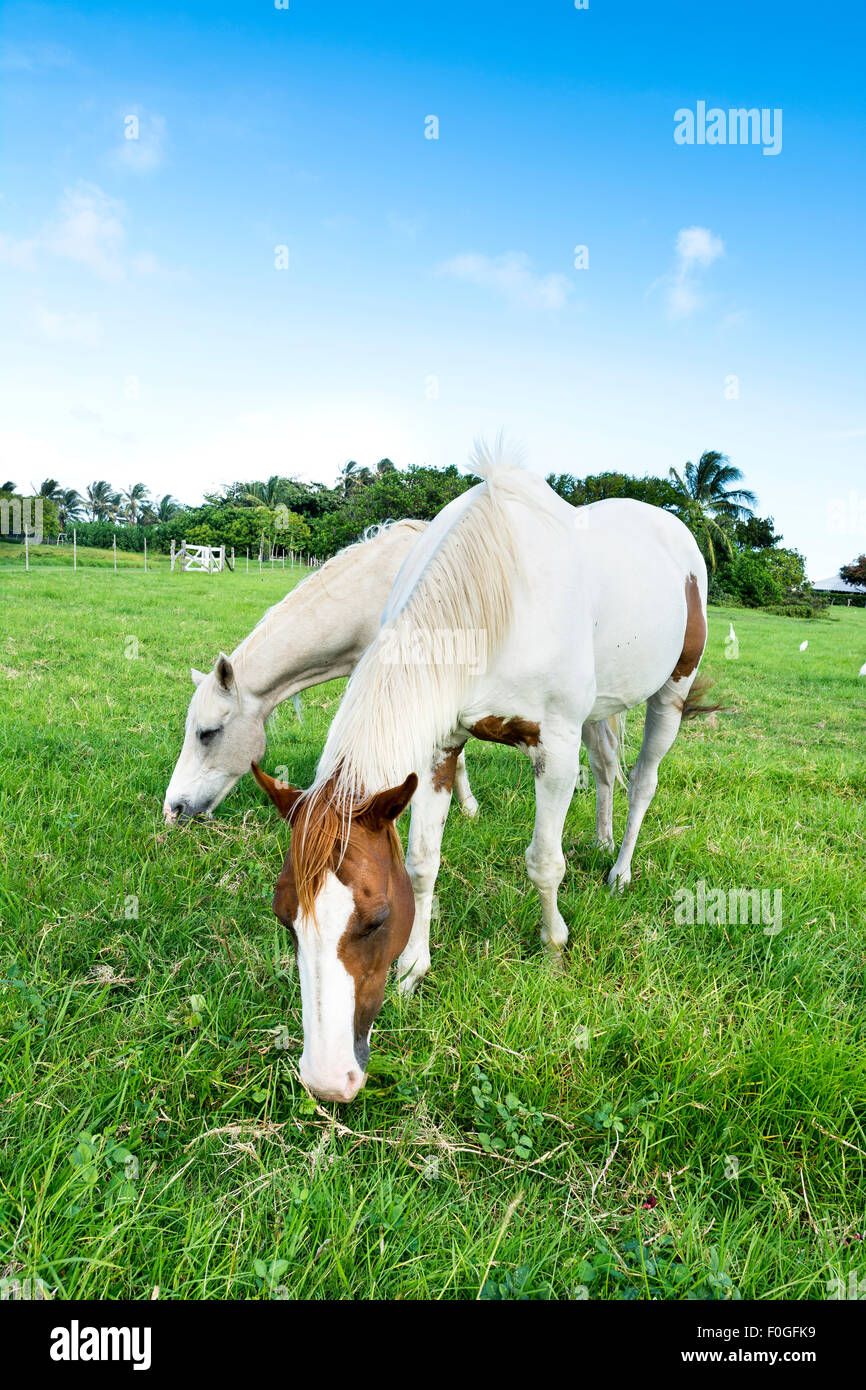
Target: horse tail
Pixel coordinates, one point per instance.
(296, 701)
(692, 705)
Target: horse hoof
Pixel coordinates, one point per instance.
(409, 983)
(555, 959)
(618, 882)
(469, 807)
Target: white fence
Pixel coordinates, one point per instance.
(206, 559)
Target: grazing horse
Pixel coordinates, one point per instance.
(581, 614)
(316, 633)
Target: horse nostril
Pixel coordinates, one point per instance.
(178, 808)
(362, 1052)
(354, 1082)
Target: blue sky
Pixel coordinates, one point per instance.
(431, 292)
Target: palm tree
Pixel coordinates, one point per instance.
(164, 509)
(708, 503)
(8, 487)
(50, 489)
(102, 501)
(69, 506)
(135, 500)
(269, 494)
(352, 475)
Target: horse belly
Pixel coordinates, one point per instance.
(639, 575)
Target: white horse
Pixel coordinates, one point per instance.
(582, 615)
(316, 633)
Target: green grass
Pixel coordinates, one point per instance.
(51, 556)
(663, 1057)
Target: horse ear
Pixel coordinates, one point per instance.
(197, 676)
(225, 672)
(388, 805)
(282, 796)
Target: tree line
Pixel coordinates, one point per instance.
(745, 558)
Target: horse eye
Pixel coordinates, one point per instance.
(207, 735)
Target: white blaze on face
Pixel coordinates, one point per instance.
(328, 1063)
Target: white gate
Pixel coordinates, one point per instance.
(207, 559)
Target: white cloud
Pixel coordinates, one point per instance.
(20, 255)
(736, 318)
(17, 57)
(698, 246)
(89, 227)
(90, 230)
(142, 143)
(145, 263)
(511, 277)
(696, 250)
(58, 327)
(407, 228)
(341, 222)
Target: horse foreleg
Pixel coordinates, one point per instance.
(555, 766)
(429, 811)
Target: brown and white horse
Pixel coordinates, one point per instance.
(571, 617)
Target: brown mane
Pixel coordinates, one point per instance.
(321, 831)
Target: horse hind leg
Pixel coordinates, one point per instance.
(601, 746)
(664, 712)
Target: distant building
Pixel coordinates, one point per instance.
(837, 590)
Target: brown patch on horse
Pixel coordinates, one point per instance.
(445, 770)
(380, 926)
(495, 729)
(695, 637)
(322, 832)
(282, 795)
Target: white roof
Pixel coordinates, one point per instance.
(835, 585)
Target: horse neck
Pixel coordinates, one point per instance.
(318, 632)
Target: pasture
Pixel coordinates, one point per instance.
(680, 1113)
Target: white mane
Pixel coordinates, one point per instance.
(458, 579)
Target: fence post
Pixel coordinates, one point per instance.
(26, 549)
(74, 549)
(114, 547)
(233, 559)
(145, 554)
(172, 555)
(248, 559)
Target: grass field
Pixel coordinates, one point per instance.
(681, 1112)
(50, 556)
